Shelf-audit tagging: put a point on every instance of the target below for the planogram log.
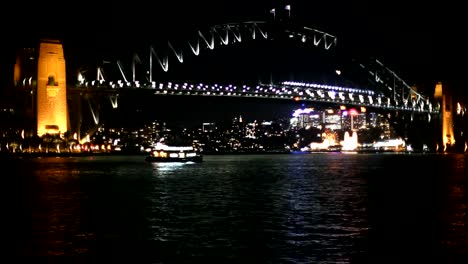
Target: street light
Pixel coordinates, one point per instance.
(288, 7)
(273, 11)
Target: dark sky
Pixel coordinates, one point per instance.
(420, 41)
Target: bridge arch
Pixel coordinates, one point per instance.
(164, 54)
(169, 52)
(232, 33)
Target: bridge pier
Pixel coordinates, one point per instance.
(52, 110)
(446, 138)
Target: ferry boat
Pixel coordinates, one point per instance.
(162, 152)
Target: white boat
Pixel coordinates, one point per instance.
(161, 152)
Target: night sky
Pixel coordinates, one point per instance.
(422, 42)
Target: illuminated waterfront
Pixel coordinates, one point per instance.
(307, 208)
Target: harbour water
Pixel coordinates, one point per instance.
(278, 208)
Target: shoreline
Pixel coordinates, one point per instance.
(7, 155)
(66, 154)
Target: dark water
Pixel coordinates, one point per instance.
(314, 208)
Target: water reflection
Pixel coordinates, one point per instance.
(164, 168)
(56, 220)
(328, 208)
(286, 208)
(455, 208)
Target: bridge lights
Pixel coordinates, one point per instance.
(341, 96)
(459, 109)
(405, 102)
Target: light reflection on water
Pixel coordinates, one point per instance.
(455, 207)
(319, 208)
(165, 168)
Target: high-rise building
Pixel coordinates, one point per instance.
(332, 119)
(52, 110)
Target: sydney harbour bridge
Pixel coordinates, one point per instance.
(369, 83)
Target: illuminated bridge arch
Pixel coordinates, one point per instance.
(386, 82)
(214, 37)
(382, 88)
(232, 33)
(379, 77)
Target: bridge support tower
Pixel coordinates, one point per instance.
(52, 110)
(443, 97)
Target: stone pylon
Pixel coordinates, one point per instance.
(52, 110)
(445, 100)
